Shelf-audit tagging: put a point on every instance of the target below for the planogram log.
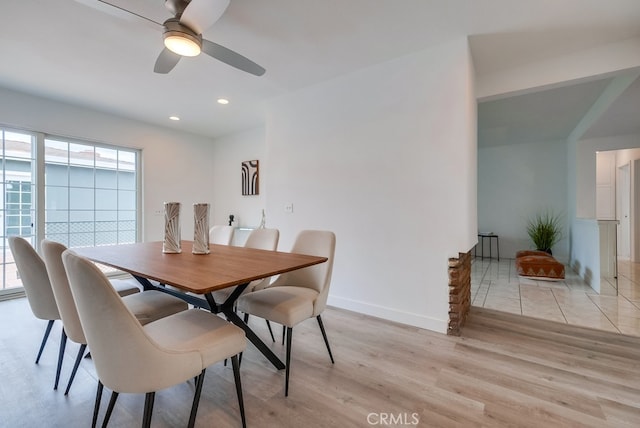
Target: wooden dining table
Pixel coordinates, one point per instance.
(201, 274)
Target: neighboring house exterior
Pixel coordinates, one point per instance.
(89, 199)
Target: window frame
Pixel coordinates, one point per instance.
(38, 189)
(85, 142)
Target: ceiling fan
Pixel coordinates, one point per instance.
(183, 34)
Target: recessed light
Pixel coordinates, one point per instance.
(223, 101)
(174, 118)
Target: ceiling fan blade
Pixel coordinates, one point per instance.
(231, 58)
(166, 61)
(120, 12)
(201, 14)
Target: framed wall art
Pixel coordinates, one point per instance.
(250, 178)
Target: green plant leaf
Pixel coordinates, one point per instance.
(545, 230)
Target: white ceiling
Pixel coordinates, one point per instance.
(622, 118)
(542, 116)
(68, 51)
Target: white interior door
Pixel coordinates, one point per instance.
(623, 196)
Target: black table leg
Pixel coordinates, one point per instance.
(253, 338)
(227, 309)
(490, 254)
(194, 300)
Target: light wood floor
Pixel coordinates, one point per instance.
(505, 370)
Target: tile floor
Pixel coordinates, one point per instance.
(496, 285)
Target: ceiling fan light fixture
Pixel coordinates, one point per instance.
(182, 44)
(181, 39)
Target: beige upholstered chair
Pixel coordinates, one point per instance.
(37, 288)
(125, 287)
(262, 239)
(298, 295)
(221, 235)
(132, 358)
(147, 306)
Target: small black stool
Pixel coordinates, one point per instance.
(481, 237)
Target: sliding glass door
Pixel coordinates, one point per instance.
(75, 192)
(91, 194)
(18, 205)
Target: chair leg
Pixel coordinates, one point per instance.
(236, 375)
(63, 344)
(284, 333)
(324, 335)
(75, 366)
(270, 331)
(148, 409)
(96, 408)
(246, 318)
(44, 339)
(196, 398)
(112, 403)
(286, 380)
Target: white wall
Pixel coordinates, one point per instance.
(631, 157)
(228, 154)
(585, 242)
(585, 251)
(623, 157)
(586, 168)
(176, 165)
(516, 182)
(606, 185)
(386, 158)
(607, 166)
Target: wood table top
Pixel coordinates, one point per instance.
(224, 267)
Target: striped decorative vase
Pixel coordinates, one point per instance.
(171, 242)
(200, 229)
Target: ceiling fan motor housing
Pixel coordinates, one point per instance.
(173, 27)
(176, 6)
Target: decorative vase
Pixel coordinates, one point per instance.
(200, 229)
(263, 221)
(171, 242)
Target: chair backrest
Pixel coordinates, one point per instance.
(125, 357)
(263, 239)
(318, 277)
(35, 280)
(221, 235)
(52, 255)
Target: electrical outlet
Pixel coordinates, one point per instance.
(288, 208)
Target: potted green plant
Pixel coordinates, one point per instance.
(545, 230)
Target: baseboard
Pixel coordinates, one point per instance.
(389, 314)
